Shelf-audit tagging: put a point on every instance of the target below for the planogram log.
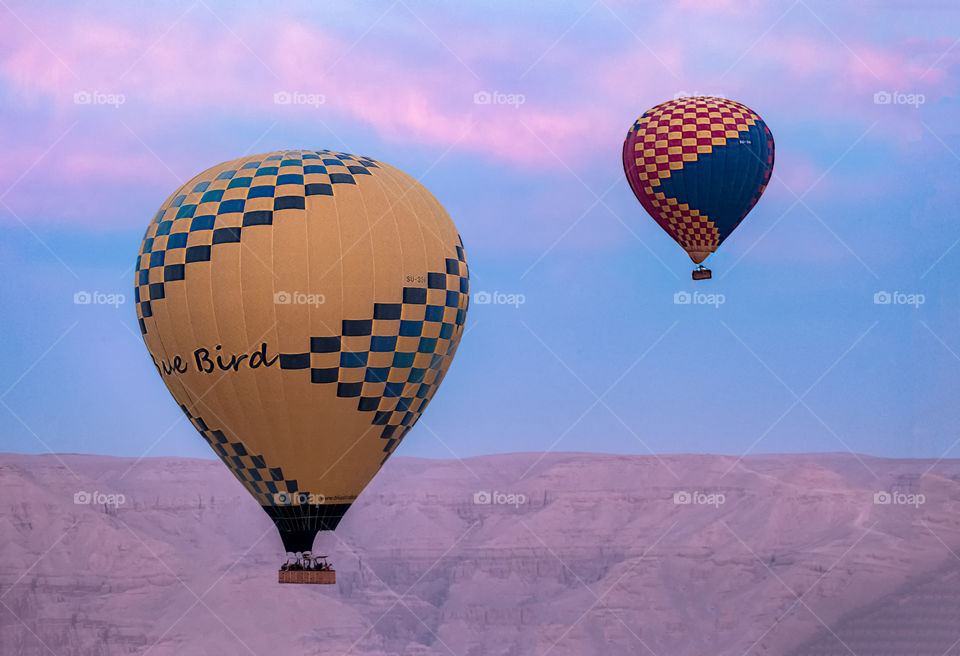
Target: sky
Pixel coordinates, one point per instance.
(109, 106)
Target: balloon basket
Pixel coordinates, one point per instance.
(302, 576)
(701, 274)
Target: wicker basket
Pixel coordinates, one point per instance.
(300, 576)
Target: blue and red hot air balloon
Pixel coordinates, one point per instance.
(698, 165)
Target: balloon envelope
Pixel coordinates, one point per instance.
(302, 307)
(698, 165)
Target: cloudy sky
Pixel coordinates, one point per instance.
(107, 107)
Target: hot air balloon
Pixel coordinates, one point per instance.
(302, 307)
(698, 165)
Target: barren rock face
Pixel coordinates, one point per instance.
(566, 554)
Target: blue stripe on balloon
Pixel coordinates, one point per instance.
(723, 183)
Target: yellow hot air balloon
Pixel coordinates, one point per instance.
(302, 307)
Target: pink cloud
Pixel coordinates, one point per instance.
(579, 99)
(860, 64)
(398, 100)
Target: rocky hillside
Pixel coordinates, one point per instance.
(563, 554)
